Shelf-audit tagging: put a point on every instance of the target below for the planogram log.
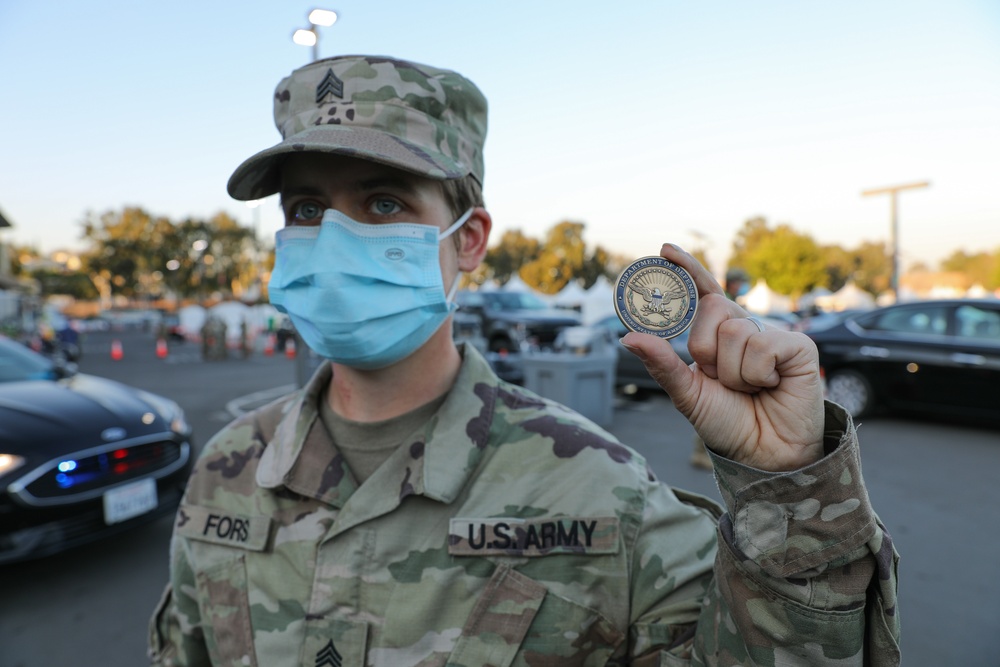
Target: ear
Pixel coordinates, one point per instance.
(474, 237)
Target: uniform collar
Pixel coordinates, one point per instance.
(436, 464)
(289, 437)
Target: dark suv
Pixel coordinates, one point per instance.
(513, 323)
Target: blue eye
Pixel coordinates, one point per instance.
(386, 206)
(307, 211)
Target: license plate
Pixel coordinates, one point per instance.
(129, 501)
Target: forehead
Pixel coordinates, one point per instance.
(325, 170)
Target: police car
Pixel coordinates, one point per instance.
(81, 457)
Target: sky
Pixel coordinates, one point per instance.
(648, 121)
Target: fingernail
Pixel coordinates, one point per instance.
(634, 350)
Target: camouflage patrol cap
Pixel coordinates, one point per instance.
(421, 119)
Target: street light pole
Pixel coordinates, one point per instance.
(254, 206)
(310, 36)
(893, 193)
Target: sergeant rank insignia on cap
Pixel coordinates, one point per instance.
(656, 296)
(330, 85)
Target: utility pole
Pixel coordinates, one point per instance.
(893, 193)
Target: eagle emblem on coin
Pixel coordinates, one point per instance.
(655, 296)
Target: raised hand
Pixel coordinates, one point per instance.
(753, 396)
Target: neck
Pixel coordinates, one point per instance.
(368, 396)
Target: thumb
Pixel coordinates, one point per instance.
(662, 363)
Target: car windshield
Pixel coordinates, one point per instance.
(513, 301)
(18, 363)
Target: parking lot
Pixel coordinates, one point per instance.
(931, 482)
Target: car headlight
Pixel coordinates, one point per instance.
(169, 410)
(10, 463)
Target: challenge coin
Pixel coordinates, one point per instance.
(655, 296)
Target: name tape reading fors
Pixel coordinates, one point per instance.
(655, 296)
(220, 527)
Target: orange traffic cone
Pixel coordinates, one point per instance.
(290, 348)
(116, 350)
(161, 348)
(269, 344)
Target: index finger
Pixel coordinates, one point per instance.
(703, 279)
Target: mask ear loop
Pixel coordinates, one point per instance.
(458, 223)
(450, 296)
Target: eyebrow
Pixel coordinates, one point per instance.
(298, 190)
(367, 185)
(389, 182)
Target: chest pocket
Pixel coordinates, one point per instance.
(225, 614)
(516, 621)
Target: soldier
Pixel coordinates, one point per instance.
(737, 284)
(407, 507)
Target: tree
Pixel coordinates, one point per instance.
(231, 248)
(70, 283)
(748, 238)
(178, 259)
(595, 265)
(123, 249)
(20, 257)
(134, 254)
(982, 268)
(839, 266)
(561, 258)
(872, 268)
(867, 266)
(506, 257)
(549, 265)
(792, 263)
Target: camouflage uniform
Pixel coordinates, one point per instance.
(511, 531)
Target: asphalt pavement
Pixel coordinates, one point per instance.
(932, 484)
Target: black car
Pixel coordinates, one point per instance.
(513, 323)
(939, 356)
(516, 321)
(81, 457)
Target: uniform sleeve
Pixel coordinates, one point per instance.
(175, 635)
(176, 631)
(804, 572)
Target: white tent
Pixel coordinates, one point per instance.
(571, 296)
(764, 301)
(192, 319)
(489, 286)
(515, 284)
(848, 297)
(811, 298)
(263, 317)
(600, 301)
(977, 291)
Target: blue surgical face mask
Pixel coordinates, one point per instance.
(361, 295)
